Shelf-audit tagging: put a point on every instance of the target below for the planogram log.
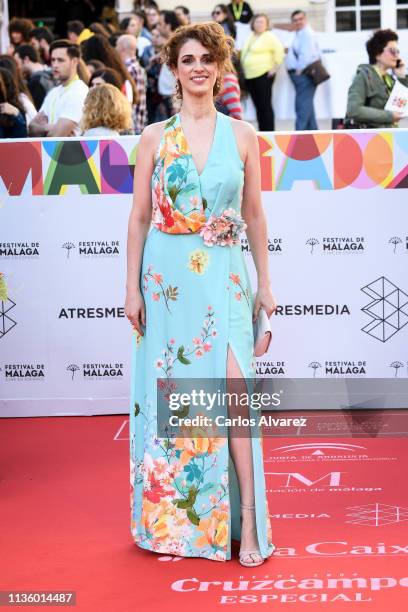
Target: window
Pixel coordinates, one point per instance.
(352, 15)
(402, 14)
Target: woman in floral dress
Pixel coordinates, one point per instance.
(189, 300)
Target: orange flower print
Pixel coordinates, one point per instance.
(235, 278)
(168, 293)
(214, 529)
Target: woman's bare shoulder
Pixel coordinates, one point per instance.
(243, 129)
(152, 134)
(245, 135)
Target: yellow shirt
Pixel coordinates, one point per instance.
(261, 53)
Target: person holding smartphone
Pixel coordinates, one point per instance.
(373, 83)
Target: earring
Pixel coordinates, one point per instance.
(218, 84)
(179, 93)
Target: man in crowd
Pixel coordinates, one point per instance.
(183, 15)
(77, 32)
(39, 77)
(126, 46)
(41, 38)
(168, 22)
(241, 11)
(61, 110)
(166, 86)
(303, 51)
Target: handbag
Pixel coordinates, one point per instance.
(262, 333)
(317, 72)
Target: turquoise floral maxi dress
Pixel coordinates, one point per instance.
(184, 493)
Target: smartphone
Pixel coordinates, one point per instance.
(398, 64)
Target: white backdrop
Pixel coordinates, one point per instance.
(337, 214)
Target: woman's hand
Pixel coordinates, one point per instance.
(135, 310)
(264, 299)
(401, 71)
(272, 72)
(8, 109)
(397, 116)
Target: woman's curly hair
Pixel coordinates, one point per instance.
(377, 43)
(106, 106)
(212, 36)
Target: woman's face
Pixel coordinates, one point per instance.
(260, 25)
(157, 39)
(16, 38)
(152, 17)
(388, 58)
(196, 69)
(133, 27)
(97, 81)
(218, 14)
(91, 69)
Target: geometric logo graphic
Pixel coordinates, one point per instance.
(388, 309)
(319, 448)
(375, 515)
(6, 322)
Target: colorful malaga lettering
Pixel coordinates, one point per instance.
(328, 160)
(97, 167)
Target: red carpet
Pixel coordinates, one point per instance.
(339, 509)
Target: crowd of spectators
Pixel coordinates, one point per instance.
(107, 76)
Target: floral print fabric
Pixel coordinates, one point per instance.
(184, 494)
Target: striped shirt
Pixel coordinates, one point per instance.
(230, 96)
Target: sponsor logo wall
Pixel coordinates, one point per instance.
(337, 243)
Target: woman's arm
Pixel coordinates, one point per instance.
(138, 226)
(254, 215)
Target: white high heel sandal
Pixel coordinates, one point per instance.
(247, 553)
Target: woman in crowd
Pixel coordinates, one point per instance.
(94, 65)
(106, 112)
(373, 83)
(8, 62)
(152, 19)
(102, 30)
(261, 56)
(109, 76)
(222, 15)
(136, 26)
(19, 33)
(12, 113)
(98, 47)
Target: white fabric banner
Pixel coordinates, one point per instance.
(336, 205)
